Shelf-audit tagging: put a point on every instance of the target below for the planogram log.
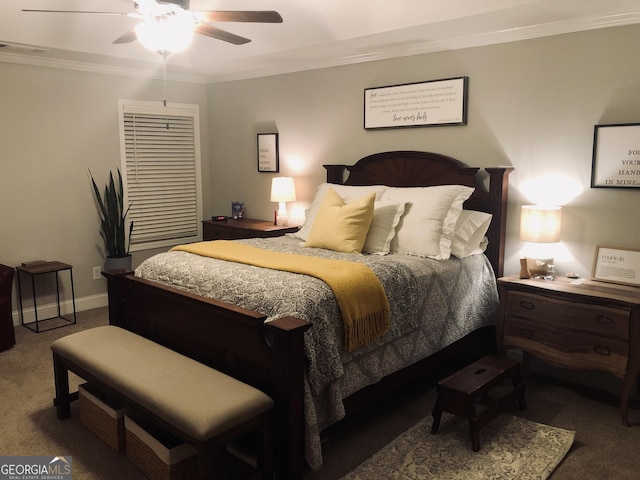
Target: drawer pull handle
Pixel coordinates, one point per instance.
(604, 320)
(525, 332)
(526, 305)
(602, 350)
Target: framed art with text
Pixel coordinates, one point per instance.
(268, 152)
(617, 265)
(616, 156)
(421, 104)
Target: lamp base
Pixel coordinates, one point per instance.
(282, 217)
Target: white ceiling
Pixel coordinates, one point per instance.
(314, 34)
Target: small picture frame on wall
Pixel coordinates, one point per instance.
(268, 160)
(617, 265)
(616, 156)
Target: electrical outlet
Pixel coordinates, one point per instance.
(97, 273)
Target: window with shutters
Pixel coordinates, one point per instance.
(161, 172)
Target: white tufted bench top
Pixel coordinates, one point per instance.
(200, 401)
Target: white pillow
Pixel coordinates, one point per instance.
(469, 235)
(431, 213)
(383, 227)
(348, 194)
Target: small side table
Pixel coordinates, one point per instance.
(41, 268)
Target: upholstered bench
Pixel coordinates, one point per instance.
(200, 405)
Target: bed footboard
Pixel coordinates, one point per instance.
(230, 339)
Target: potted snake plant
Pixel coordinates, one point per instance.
(113, 223)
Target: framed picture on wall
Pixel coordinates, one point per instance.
(422, 104)
(268, 152)
(617, 265)
(616, 156)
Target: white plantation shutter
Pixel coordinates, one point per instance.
(161, 172)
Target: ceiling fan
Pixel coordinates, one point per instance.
(167, 10)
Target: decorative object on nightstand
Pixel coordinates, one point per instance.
(617, 265)
(237, 210)
(282, 191)
(246, 228)
(581, 324)
(540, 224)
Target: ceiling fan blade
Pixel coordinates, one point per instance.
(218, 34)
(127, 37)
(263, 16)
(119, 14)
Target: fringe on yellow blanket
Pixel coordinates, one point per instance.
(363, 303)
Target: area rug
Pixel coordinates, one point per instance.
(511, 448)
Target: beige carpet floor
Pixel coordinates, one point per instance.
(603, 448)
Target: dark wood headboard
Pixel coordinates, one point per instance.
(426, 169)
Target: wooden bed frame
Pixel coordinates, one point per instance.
(270, 356)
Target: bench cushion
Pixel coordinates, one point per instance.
(193, 397)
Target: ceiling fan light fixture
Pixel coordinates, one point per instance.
(164, 34)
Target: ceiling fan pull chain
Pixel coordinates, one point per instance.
(164, 83)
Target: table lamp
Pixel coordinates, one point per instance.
(539, 224)
(282, 191)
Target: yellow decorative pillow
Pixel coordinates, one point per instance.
(341, 226)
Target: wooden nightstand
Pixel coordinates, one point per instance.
(593, 326)
(246, 228)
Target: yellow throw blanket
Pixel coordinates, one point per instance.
(360, 295)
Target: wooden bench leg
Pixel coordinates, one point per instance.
(62, 400)
(266, 447)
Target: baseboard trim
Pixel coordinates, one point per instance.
(66, 307)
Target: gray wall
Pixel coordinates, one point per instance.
(532, 104)
(55, 124)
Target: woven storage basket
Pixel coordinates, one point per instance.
(157, 453)
(102, 416)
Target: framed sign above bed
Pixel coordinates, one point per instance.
(421, 104)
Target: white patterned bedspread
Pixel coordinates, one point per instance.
(433, 303)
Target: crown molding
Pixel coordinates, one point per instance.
(453, 43)
(381, 53)
(140, 72)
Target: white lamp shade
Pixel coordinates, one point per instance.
(283, 190)
(540, 224)
(166, 33)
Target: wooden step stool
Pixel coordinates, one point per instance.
(458, 393)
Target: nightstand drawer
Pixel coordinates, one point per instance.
(210, 232)
(245, 228)
(580, 349)
(595, 319)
